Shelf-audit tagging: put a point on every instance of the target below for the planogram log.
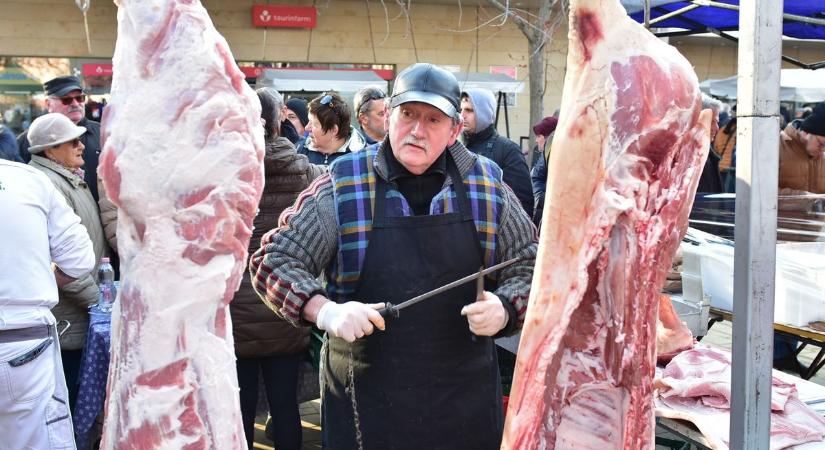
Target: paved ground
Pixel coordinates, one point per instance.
(718, 336)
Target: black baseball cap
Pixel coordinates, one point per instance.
(60, 86)
(428, 84)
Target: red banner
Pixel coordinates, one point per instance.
(253, 72)
(97, 70)
(284, 16)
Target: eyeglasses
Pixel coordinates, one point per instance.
(75, 143)
(68, 100)
(327, 101)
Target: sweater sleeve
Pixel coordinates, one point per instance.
(285, 269)
(517, 238)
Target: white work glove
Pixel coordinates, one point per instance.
(351, 320)
(486, 316)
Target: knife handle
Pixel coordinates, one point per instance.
(389, 311)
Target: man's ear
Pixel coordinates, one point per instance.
(387, 112)
(454, 132)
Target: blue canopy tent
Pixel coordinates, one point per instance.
(803, 19)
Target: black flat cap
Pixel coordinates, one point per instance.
(815, 122)
(428, 84)
(60, 86)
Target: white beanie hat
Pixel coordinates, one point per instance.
(50, 130)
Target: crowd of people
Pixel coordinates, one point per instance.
(363, 205)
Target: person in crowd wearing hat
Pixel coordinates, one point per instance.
(42, 246)
(264, 342)
(370, 107)
(478, 110)
(330, 132)
(8, 145)
(297, 115)
(66, 96)
(56, 149)
(801, 151)
(543, 130)
(388, 223)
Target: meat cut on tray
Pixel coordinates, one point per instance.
(627, 155)
(695, 386)
(672, 335)
(182, 160)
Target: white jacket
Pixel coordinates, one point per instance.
(38, 228)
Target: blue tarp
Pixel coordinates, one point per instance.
(705, 17)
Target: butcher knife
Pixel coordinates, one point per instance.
(393, 311)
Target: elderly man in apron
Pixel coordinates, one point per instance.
(390, 222)
(38, 232)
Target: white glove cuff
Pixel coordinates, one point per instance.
(319, 319)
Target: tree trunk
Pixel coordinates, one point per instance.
(537, 70)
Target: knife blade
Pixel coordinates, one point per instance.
(393, 311)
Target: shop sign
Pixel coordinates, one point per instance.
(278, 16)
(97, 70)
(510, 71)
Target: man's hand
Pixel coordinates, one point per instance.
(486, 316)
(61, 278)
(350, 321)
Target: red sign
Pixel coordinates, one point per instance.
(253, 72)
(97, 70)
(284, 16)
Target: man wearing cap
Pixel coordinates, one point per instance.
(388, 223)
(370, 109)
(801, 151)
(42, 246)
(66, 96)
(478, 110)
(57, 151)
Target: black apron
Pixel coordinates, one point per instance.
(424, 382)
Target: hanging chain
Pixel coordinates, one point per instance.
(351, 392)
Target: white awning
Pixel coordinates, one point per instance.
(796, 85)
(493, 82)
(286, 80)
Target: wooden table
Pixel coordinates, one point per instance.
(805, 334)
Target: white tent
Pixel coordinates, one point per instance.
(796, 85)
(286, 80)
(493, 82)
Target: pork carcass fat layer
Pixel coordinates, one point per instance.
(672, 335)
(626, 159)
(695, 386)
(182, 159)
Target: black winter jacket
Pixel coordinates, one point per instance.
(258, 331)
(507, 154)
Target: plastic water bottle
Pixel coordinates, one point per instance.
(106, 285)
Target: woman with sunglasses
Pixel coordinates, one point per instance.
(330, 132)
(57, 150)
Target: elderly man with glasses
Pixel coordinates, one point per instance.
(57, 150)
(386, 224)
(370, 107)
(65, 96)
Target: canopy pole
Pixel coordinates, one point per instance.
(647, 14)
(757, 161)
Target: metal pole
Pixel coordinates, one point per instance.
(760, 48)
(647, 14)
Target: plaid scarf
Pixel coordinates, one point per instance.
(353, 181)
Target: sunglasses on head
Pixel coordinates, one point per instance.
(68, 100)
(374, 95)
(327, 101)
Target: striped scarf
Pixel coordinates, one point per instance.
(353, 181)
